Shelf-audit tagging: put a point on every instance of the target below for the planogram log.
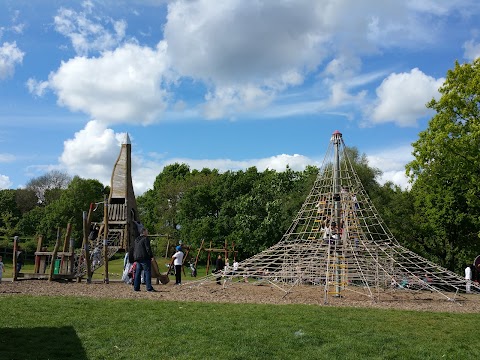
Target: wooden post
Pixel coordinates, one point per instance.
(198, 253)
(64, 249)
(105, 240)
(208, 258)
(14, 262)
(226, 251)
(36, 269)
(168, 245)
(85, 247)
(54, 256)
(71, 257)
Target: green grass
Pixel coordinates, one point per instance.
(83, 328)
(115, 269)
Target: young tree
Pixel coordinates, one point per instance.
(47, 187)
(446, 170)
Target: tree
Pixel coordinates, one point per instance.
(9, 213)
(10, 224)
(446, 170)
(47, 186)
(26, 200)
(77, 198)
(158, 208)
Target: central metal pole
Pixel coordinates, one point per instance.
(337, 138)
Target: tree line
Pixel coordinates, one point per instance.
(438, 217)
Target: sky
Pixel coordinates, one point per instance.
(223, 85)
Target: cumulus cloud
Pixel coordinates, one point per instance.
(121, 86)
(239, 47)
(87, 35)
(5, 182)
(392, 163)
(92, 152)
(10, 56)
(472, 50)
(37, 88)
(401, 98)
(246, 53)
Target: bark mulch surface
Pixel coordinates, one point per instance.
(265, 293)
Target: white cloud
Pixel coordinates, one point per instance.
(7, 158)
(246, 53)
(37, 88)
(401, 98)
(5, 182)
(472, 50)
(235, 45)
(87, 35)
(92, 152)
(10, 56)
(121, 86)
(392, 163)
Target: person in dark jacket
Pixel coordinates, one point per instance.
(142, 255)
(219, 265)
(20, 259)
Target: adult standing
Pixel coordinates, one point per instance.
(177, 262)
(142, 255)
(468, 278)
(20, 259)
(219, 265)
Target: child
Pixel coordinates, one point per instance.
(1, 268)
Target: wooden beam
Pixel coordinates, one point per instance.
(105, 242)
(14, 260)
(54, 255)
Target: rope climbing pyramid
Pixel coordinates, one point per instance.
(339, 243)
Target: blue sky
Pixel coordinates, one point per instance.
(221, 84)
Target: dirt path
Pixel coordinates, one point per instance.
(241, 293)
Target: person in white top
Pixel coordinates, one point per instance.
(177, 262)
(468, 277)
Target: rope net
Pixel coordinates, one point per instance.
(339, 243)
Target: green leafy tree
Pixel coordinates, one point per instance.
(30, 221)
(10, 224)
(77, 198)
(446, 171)
(26, 200)
(8, 206)
(158, 207)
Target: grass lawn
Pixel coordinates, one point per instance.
(84, 328)
(115, 269)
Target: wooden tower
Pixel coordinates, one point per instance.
(122, 206)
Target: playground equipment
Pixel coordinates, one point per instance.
(339, 243)
(56, 264)
(225, 250)
(101, 240)
(120, 220)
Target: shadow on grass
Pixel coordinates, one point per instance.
(40, 343)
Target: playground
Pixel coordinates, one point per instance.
(337, 252)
